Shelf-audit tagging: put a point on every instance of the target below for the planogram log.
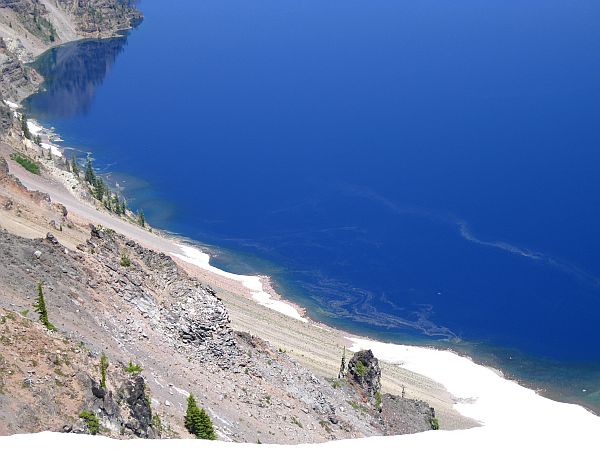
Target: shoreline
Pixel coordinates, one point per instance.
(476, 400)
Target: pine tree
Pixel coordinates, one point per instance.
(90, 176)
(40, 307)
(141, 219)
(74, 166)
(115, 204)
(103, 368)
(25, 127)
(99, 188)
(123, 206)
(197, 422)
(206, 430)
(192, 407)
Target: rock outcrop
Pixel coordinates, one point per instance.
(364, 371)
(17, 81)
(127, 409)
(396, 414)
(184, 310)
(6, 117)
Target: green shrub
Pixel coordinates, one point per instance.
(378, 400)
(26, 162)
(361, 369)
(91, 421)
(157, 423)
(296, 422)
(125, 260)
(134, 369)
(435, 424)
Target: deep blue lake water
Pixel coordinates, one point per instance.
(413, 170)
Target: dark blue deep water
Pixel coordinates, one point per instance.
(412, 170)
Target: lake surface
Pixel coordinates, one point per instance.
(423, 171)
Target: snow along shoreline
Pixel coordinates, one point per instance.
(253, 283)
(509, 413)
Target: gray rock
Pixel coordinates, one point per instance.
(364, 370)
(98, 391)
(50, 237)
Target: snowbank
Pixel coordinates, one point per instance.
(510, 414)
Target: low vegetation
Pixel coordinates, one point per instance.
(134, 369)
(361, 369)
(26, 162)
(358, 406)
(378, 400)
(91, 421)
(125, 260)
(296, 422)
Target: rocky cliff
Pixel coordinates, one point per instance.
(54, 21)
(29, 27)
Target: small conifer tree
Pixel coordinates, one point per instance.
(141, 219)
(206, 426)
(74, 166)
(40, 307)
(103, 368)
(99, 188)
(90, 176)
(25, 127)
(115, 204)
(192, 407)
(197, 421)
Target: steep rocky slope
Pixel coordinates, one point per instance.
(135, 304)
(132, 303)
(47, 381)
